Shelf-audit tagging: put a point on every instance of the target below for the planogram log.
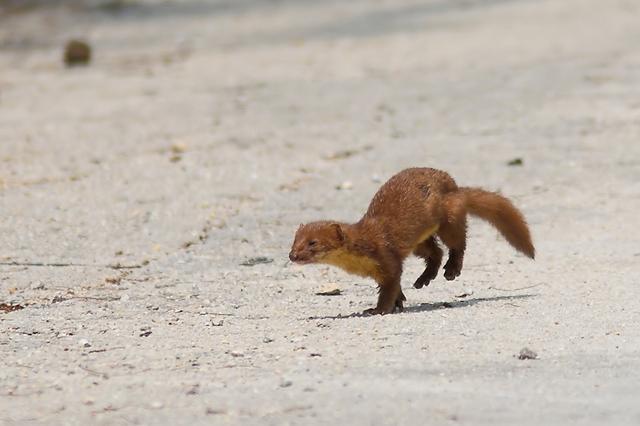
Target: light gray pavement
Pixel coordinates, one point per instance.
(204, 132)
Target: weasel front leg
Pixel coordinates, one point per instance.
(390, 294)
(455, 240)
(388, 299)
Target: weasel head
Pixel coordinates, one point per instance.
(316, 240)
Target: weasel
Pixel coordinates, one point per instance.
(405, 216)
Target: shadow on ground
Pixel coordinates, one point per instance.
(427, 307)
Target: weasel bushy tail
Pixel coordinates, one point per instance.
(501, 213)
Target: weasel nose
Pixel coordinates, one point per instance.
(293, 257)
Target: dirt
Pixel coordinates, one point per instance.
(203, 133)
(4, 307)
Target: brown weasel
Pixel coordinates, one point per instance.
(404, 217)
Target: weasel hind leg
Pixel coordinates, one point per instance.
(431, 252)
(453, 233)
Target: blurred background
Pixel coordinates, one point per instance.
(188, 110)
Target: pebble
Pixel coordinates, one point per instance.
(464, 293)
(345, 185)
(84, 343)
(526, 353)
(38, 285)
(178, 148)
(330, 289)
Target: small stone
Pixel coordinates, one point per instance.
(58, 299)
(515, 162)
(194, 390)
(286, 383)
(345, 186)
(330, 289)
(340, 155)
(178, 148)
(267, 340)
(526, 353)
(464, 294)
(236, 354)
(84, 343)
(256, 261)
(37, 285)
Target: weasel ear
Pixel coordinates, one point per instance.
(301, 225)
(339, 231)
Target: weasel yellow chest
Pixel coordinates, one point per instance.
(353, 263)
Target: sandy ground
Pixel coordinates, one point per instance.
(204, 132)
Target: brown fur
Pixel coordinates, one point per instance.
(404, 217)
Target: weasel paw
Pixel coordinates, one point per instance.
(425, 279)
(420, 282)
(429, 274)
(451, 273)
(376, 311)
(452, 270)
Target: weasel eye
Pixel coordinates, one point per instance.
(313, 243)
